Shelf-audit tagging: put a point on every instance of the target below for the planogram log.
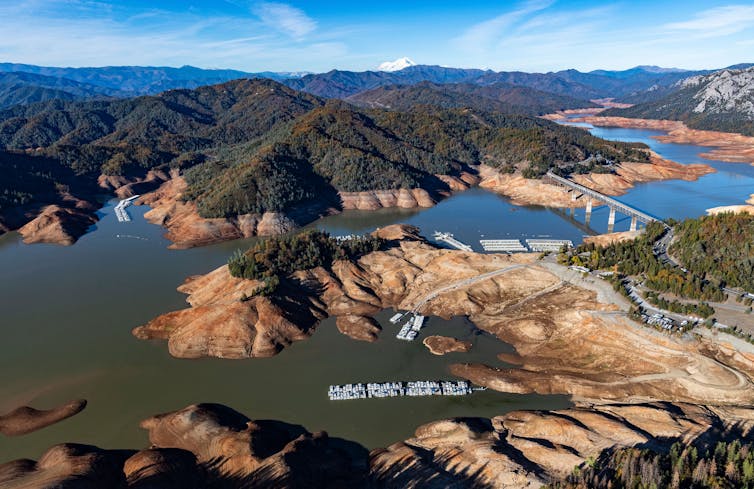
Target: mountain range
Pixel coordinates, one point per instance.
(722, 101)
(644, 82)
(118, 81)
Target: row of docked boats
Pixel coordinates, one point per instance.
(120, 209)
(399, 389)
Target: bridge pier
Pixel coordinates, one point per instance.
(588, 210)
(611, 220)
(633, 223)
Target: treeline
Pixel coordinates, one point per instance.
(24, 179)
(702, 309)
(719, 247)
(636, 257)
(721, 465)
(273, 259)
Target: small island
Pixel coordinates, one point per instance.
(441, 345)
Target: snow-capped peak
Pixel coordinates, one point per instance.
(396, 65)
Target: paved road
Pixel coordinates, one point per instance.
(462, 284)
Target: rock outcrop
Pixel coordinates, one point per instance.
(26, 419)
(526, 449)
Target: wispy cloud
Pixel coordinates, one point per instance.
(483, 34)
(285, 18)
(720, 21)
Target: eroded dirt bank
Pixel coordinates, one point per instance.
(572, 333)
(210, 445)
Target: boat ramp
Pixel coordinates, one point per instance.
(451, 240)
(399, 389)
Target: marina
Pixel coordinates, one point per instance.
(120, 209)
(400, 389)
(410, 330)
(548, 244)
(504, 245)
(452, 241)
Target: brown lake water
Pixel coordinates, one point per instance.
(66, 315)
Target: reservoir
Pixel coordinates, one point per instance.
(66, 315)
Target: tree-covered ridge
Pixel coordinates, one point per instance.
(498, 97)
(339, 148)
(718, 247)
(716, 465)
(272, 260)
(128, 136)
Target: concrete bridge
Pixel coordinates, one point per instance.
(593, 196)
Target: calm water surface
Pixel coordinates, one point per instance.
(66, 314)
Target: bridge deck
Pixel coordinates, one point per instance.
(619, 206)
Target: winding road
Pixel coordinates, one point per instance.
(462, 284)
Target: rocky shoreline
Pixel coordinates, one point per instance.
(210, 445)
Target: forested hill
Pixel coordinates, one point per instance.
(27, 88)
(256, 145)
(336, 147)
(498, 97)
(719, 248)
(128, 136)
(721, 101)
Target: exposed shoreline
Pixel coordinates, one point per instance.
(726, 146)
(572, 333)
(211, 445)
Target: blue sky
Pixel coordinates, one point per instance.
(533, 35)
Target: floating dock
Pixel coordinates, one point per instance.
(397, 318)
(548, 244)
(449, 239)
(120, 209)
(410, 329)
(399, 389)
(504, 245)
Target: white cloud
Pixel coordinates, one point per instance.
(285, 18)
(718, 21)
